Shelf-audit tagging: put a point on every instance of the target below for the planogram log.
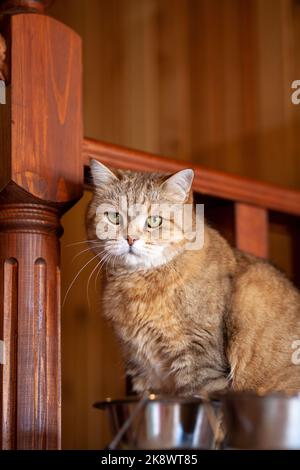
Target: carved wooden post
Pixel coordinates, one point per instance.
(40, 177)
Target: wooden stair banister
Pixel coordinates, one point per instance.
(40, 178)
(210, 182)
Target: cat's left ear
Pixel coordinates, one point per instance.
(178, 186)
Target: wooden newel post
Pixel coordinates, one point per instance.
(40, 178)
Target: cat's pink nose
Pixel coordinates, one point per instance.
(130, 240)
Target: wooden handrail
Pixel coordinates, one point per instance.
(213, 183)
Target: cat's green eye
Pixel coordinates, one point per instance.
(113, 217)
(154, 221)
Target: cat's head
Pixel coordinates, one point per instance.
(135, 219)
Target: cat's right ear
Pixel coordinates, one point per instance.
(101, 175)
(179, 185)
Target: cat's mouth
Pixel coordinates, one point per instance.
(131, 252)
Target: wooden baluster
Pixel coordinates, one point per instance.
(31, 325)
(41, 177)
(251, 229)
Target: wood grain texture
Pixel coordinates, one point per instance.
(40, 352)
(252, 230)
(45, 125)
(29, 254)
(206, 81)
(10, 338)
(41, 177)
(210, 182)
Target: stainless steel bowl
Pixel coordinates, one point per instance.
(261, 422)
(162, 423)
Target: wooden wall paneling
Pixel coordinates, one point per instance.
(249, 102)
(202, 84)
(43, 178)
(290, 11)
(296, 120)
(140, 81)
(172, 48)
(103, 70)
(231, 63)
(223, 84)
(275, 64)
(251, 229)
(231, 85)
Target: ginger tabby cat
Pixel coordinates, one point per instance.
(190, 321)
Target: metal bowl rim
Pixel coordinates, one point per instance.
(241, 395)
(152, 399)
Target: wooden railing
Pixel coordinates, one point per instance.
(206, 181)
(42, 155)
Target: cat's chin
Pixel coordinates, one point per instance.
(137, 260)
(134, 262)
(132, 259)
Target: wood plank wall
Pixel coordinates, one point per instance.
(201, 80)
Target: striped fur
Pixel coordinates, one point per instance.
(196, 321)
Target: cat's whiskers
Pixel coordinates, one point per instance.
(104, 259)
(96, 277)
(76, 277)
(81, 252)
(99, 270)
(82, 241)
(89, 279)
(114, 257)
